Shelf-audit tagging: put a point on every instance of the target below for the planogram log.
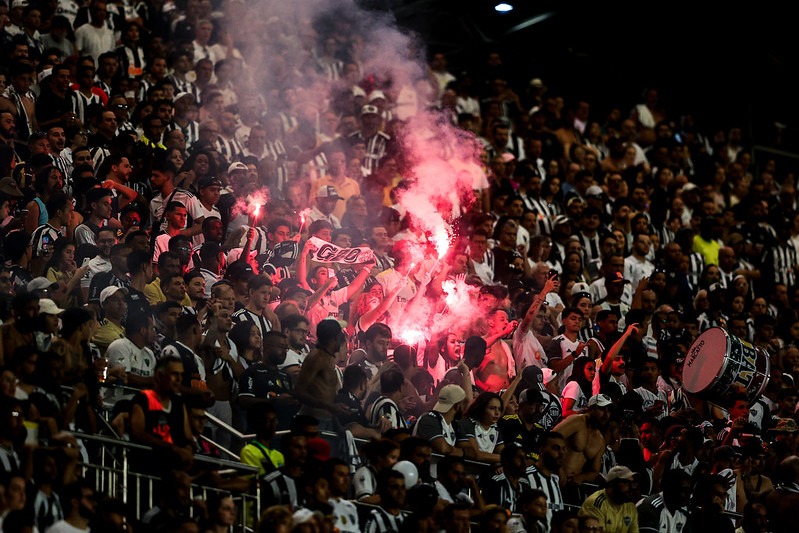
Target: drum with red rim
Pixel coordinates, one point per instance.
(717, 360)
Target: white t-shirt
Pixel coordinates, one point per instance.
(94, 41)
(573, 391)
(528, 350)
(327, 306)
(123, 353)
(96, 265)
(346, 515)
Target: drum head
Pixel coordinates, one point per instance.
(705, 360)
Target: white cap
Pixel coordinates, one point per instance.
(110, 291)
(600, 400)
(375, 95)
(48, 307)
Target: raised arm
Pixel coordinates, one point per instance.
(616, 348)
(551, 284)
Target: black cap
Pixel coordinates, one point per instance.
(239, 270)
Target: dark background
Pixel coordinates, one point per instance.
(729, 64)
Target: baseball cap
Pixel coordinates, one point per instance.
(19, 3)
(580, 287)
(616, 277)
(725, 452)
(40, 283)
(600, 400)
(48, 307)
(537, 83)
(376, 95)
(208, 181)
(620, 472)
(369, 110)
(238, 165)
(327, 191)
(531, 395)
(785, 425)
(239, 270)
(448, 396)
(561, 219)
(9, 188)
(594, 190)
(184, 95)
(110, 291)
(358, 91)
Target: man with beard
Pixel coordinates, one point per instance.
(585, 442)
(613, 505)
(20, 332)
(436, 425)
(82, 503)
(376, 341)
(223, 369)
(543, 475)
(264, 382)
(8, 154)
(524, 428)
(388, 517)
(296, 329)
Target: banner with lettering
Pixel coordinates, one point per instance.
(325, 252)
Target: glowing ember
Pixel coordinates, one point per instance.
(303, 216)
(411, 337)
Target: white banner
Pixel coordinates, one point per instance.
(330, 253)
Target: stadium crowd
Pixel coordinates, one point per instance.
(150, 280)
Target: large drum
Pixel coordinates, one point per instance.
(717, 360)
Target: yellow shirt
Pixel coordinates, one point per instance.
(349, 187)
(708, 249)
(155, 296)
(107, 333)
(256, 454)
(618, 519)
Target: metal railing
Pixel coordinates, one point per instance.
(118, 477)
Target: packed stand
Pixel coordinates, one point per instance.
(191, 248)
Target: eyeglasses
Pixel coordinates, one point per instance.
(301, 331)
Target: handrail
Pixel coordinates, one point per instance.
(220, 447)
(230, 429)
(224, 463)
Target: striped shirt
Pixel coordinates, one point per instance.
(79, 103)
(655, 517)
(280, 489)
(549, 485)
(388, 409)
(376, 146)
(43, 239)
(499, 490)
(47, 510)
(381, 521)
(245, 315)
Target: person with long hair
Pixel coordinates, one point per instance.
(247, 338)
(574, 269)
(578, 389)
(63, 270)
(221, 513)
(381, 456)
(477, 432)
(199, 165)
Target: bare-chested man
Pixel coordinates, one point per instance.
(584, 441)
(318, 382)
(498, 367)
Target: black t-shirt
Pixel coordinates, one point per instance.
(514, 430)
(167, 426)
(356, 414)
